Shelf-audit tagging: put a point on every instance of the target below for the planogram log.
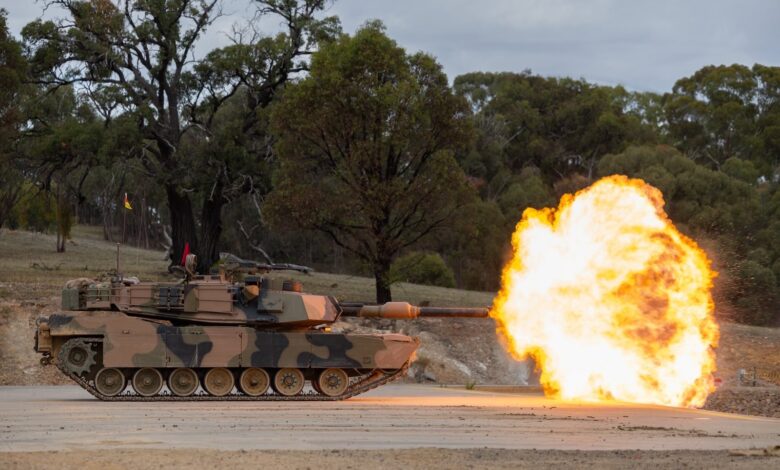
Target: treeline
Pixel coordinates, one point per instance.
(349, 154)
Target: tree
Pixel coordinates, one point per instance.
(13, 68)
(144, 50)
(723, 112)
(366, 145)
(558, 126)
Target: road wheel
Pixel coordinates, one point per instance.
(333, 382)
(183, 382)
(110, 381)
(218, 381)
(288, 381)
(254, 382)
(147, 382)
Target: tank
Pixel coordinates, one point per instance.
(234, 335)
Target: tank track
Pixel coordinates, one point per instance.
(364, 384)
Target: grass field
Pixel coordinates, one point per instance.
(32, 271)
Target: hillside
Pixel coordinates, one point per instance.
(31, 270)
(457, 351)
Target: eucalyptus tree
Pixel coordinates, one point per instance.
(144, 50)
(366, 144)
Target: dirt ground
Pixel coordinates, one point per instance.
(380, 459)
(397, 415)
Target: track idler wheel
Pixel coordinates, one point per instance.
(254, 382)
(332, 382)
(288, 382)
(218, 381)
(183, 382)
(110, 381)
(77, 356)
(147, 382)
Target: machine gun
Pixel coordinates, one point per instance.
(230, 265)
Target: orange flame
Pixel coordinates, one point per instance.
(610, 299)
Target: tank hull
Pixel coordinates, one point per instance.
(128, 344)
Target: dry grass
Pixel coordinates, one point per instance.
(355, 288)
(31, 271)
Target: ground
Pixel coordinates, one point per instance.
(399, 425)
(412, 459)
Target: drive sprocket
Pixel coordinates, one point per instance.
(77, 356)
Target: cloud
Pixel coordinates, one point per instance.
(643, 45)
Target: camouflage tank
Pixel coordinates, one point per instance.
(212, 337)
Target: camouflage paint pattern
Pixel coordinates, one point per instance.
(207, 321)
(137, 342)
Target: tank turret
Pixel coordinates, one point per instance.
(235, 334)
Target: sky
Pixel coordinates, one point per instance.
(640, 44)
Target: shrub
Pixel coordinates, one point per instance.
(35, 211)
(422, 268)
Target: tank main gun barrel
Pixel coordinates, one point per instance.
(404, 310)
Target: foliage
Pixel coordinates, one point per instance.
(136, 58)
(558, 125)
(724, 111)
(35, 211)
(701, 199)
(422, 268)
(12, 71)
(365, 145)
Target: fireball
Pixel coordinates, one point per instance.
(610, 299)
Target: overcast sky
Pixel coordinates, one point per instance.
(641, 44)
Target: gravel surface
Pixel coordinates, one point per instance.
(763, 401)
(382, 459)
(46, 418)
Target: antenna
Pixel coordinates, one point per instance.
(117, 261)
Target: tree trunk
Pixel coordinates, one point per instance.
(211, 229)
(382, 279)
(182, 224)
(9, 196)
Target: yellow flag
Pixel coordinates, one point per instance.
(127, 203)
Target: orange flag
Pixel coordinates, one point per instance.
(127, 203)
